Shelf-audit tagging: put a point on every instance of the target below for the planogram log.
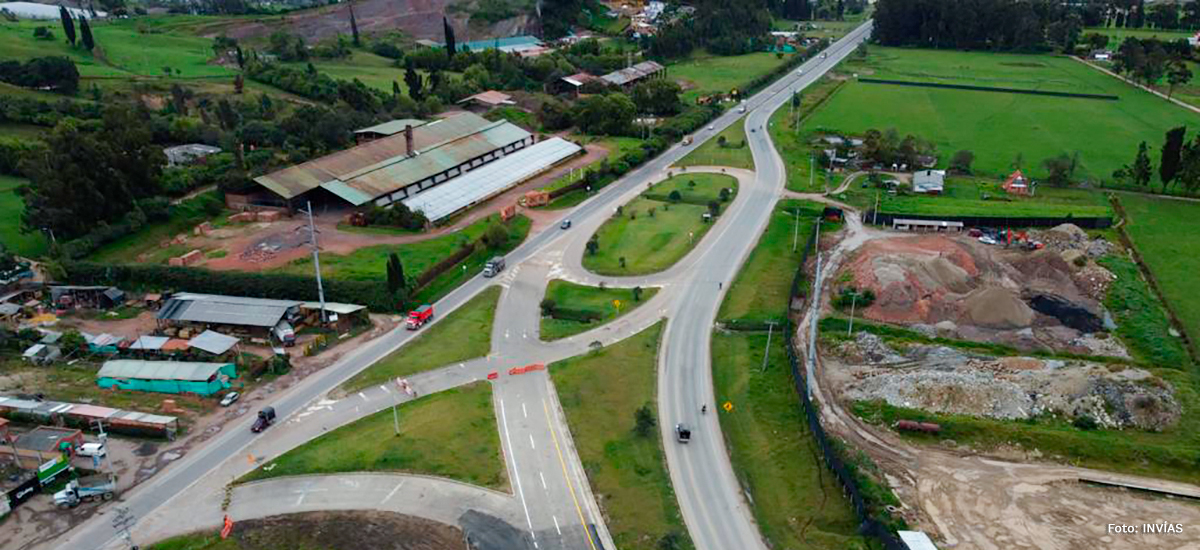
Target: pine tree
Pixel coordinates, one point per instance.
(85, 32)
(68, 24)
(1141, 166)
(395, 89)
(354, 26)
(414, 81)
(1168, 164)
(395, 274)
(241, 59)
(451, 46)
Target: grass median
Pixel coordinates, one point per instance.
(450, 434)
(796, 502)
(465, 334)
(734, 151)
(580, 308)
(600, 393)
(657, 229)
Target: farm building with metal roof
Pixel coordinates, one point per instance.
(632, 75)
(187, 307)
(166, 376)
(399, 166)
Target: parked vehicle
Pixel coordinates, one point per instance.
(566, 224)
(266, 417)
(683, 433)
(285, 333)
(418, 317)
(493, 267)
(91, 449)
(230, 398)
(86, 489)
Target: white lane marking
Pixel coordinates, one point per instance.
(505, 334)
(525, 412)
(384, 388)
(543, 481)
(556, 527)
(305, 492)
(363, 396)
(516, 470)
(531, 444)
(389, 495)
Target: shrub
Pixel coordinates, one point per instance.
(675, 196)
(549, 306)
(1085, 422)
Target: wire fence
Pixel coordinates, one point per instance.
(869, 525)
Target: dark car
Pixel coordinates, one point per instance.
(266, 417)
(566, 224)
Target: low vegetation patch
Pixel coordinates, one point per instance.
(465, 334)
(1141, 322)
(569, 309)
(964, 196)
(798, 155)
(601, 394)
(728, 148)
(760, 291)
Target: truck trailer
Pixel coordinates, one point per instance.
(418, 317)
(493, 267)
(86, 489)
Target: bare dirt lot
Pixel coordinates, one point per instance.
(333, 530)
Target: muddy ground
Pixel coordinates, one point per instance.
(339, 531)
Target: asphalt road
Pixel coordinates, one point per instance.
(556, 501)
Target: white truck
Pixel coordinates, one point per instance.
(86, 489)
(494, 267)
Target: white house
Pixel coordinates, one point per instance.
(931, 182)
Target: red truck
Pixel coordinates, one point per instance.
(418, 317)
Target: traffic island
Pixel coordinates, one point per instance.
(569, 309)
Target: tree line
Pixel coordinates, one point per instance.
(1178, 164)
(1150, 60)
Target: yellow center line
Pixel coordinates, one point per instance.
(570, 486)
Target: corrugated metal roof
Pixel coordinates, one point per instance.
(18, 404)
(487, 180)
(159, 370)
(630, 74)
(149, 342)
(43, 438)
(391, 127)
(916, 540)
(335, 307)
(231, 310)
(294, 180)
(347, 193)
(93, 411)
(214, 342)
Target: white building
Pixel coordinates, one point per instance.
(931, 182)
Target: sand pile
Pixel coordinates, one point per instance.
(997, 307)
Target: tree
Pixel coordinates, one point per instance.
(241, 58)
(448, 32)
(714, 208)
(68, 24)
(43, 33)
(1172, 150)
(644, 421)
(85, 32)
(675, 196)
(1141, 166)
(961, 161)
(637, 293)
(395, 89)
(72, 341)
(414, 80)
(548, 307)
(1189, 171)
(1178, 74)
(395, 274)
(1058, 170)
(354, 26)
(495, 236)
(658, 97)
(593, 245)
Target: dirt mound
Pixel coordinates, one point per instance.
(359, 529)
(997, 307)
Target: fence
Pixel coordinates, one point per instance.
(869, 526)
(988, 89)
(870, 217)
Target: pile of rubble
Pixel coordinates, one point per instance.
(946, 380)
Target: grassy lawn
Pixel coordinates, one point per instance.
(617, 146)
(704, 74)
(1002, 129)
(183, 218)
(600, 392)
(982, 197)
(449, 434)
(760, 292)
(652, 243)
(796, 502)
(370, 263)
(464, 334)
(373, 70)
(797, 153)
(11, 207)
(735, 153)
(1141, 321)
(1158, 228)
(588, 300)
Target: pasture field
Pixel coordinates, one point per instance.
(704, 74)
(1003, 129)
(798, 156)
(11, 207)
(980, 197)
(735, 153)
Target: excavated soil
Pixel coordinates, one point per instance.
(346, 530)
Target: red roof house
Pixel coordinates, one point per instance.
(1018, 184)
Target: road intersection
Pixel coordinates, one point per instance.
(552, 505)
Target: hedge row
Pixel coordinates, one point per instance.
(577, 315)
(606, 172)
(277, 286)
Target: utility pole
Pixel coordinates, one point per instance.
(767, 351)
(796, 231)
(875, 214)
(123, 523)
(853, 299)
(812, 169)
(312, 239)
(104, 442)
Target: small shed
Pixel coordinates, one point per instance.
(213, 342)
(832, 214)
(166, 376)
(487, 100)
(10, 314)
(43, 443)
(930, 182)
(41, 354)
(927, 226)
(341, 317)
(113, 297)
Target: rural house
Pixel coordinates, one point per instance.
(930, 182)
(1018, 184)
(166, 376)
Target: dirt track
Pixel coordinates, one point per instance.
(363, 529)
(967, 501)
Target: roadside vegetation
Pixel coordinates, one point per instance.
(569, 309)
(601, 394)
(796, 502)
(465, 334)
(322, 530)
(728, 148)
(449, 434)
(760, 291)
(785, 124)
(1141, 321)
(706, 74)
(659, 227)
(11, 206)
(967, 196)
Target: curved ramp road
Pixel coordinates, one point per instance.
(551, 505)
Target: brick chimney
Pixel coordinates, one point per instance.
(408, 139)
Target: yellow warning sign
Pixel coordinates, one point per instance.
(617, 303)
(727, 406)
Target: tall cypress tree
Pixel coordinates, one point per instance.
(85, 32)
(414, 80)
(354, 26)
(68, 24)
(1168, 164)
(451, 46)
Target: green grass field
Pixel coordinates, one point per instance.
(735, 153)
(617, 146)
(183, 218)
(449, 434)
(590, 299)
(1000, 127)
(1159, 229)
(980, 197)
(798, 155)
(600, 392)
(11, 207)
(1141, 321)
(370, 263)
(796, 502)
(704, 74)
(653, 243)
(760, 291)
(465, 334)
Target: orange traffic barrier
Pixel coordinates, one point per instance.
(516, 370)
(493, 375)
(535, 366)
